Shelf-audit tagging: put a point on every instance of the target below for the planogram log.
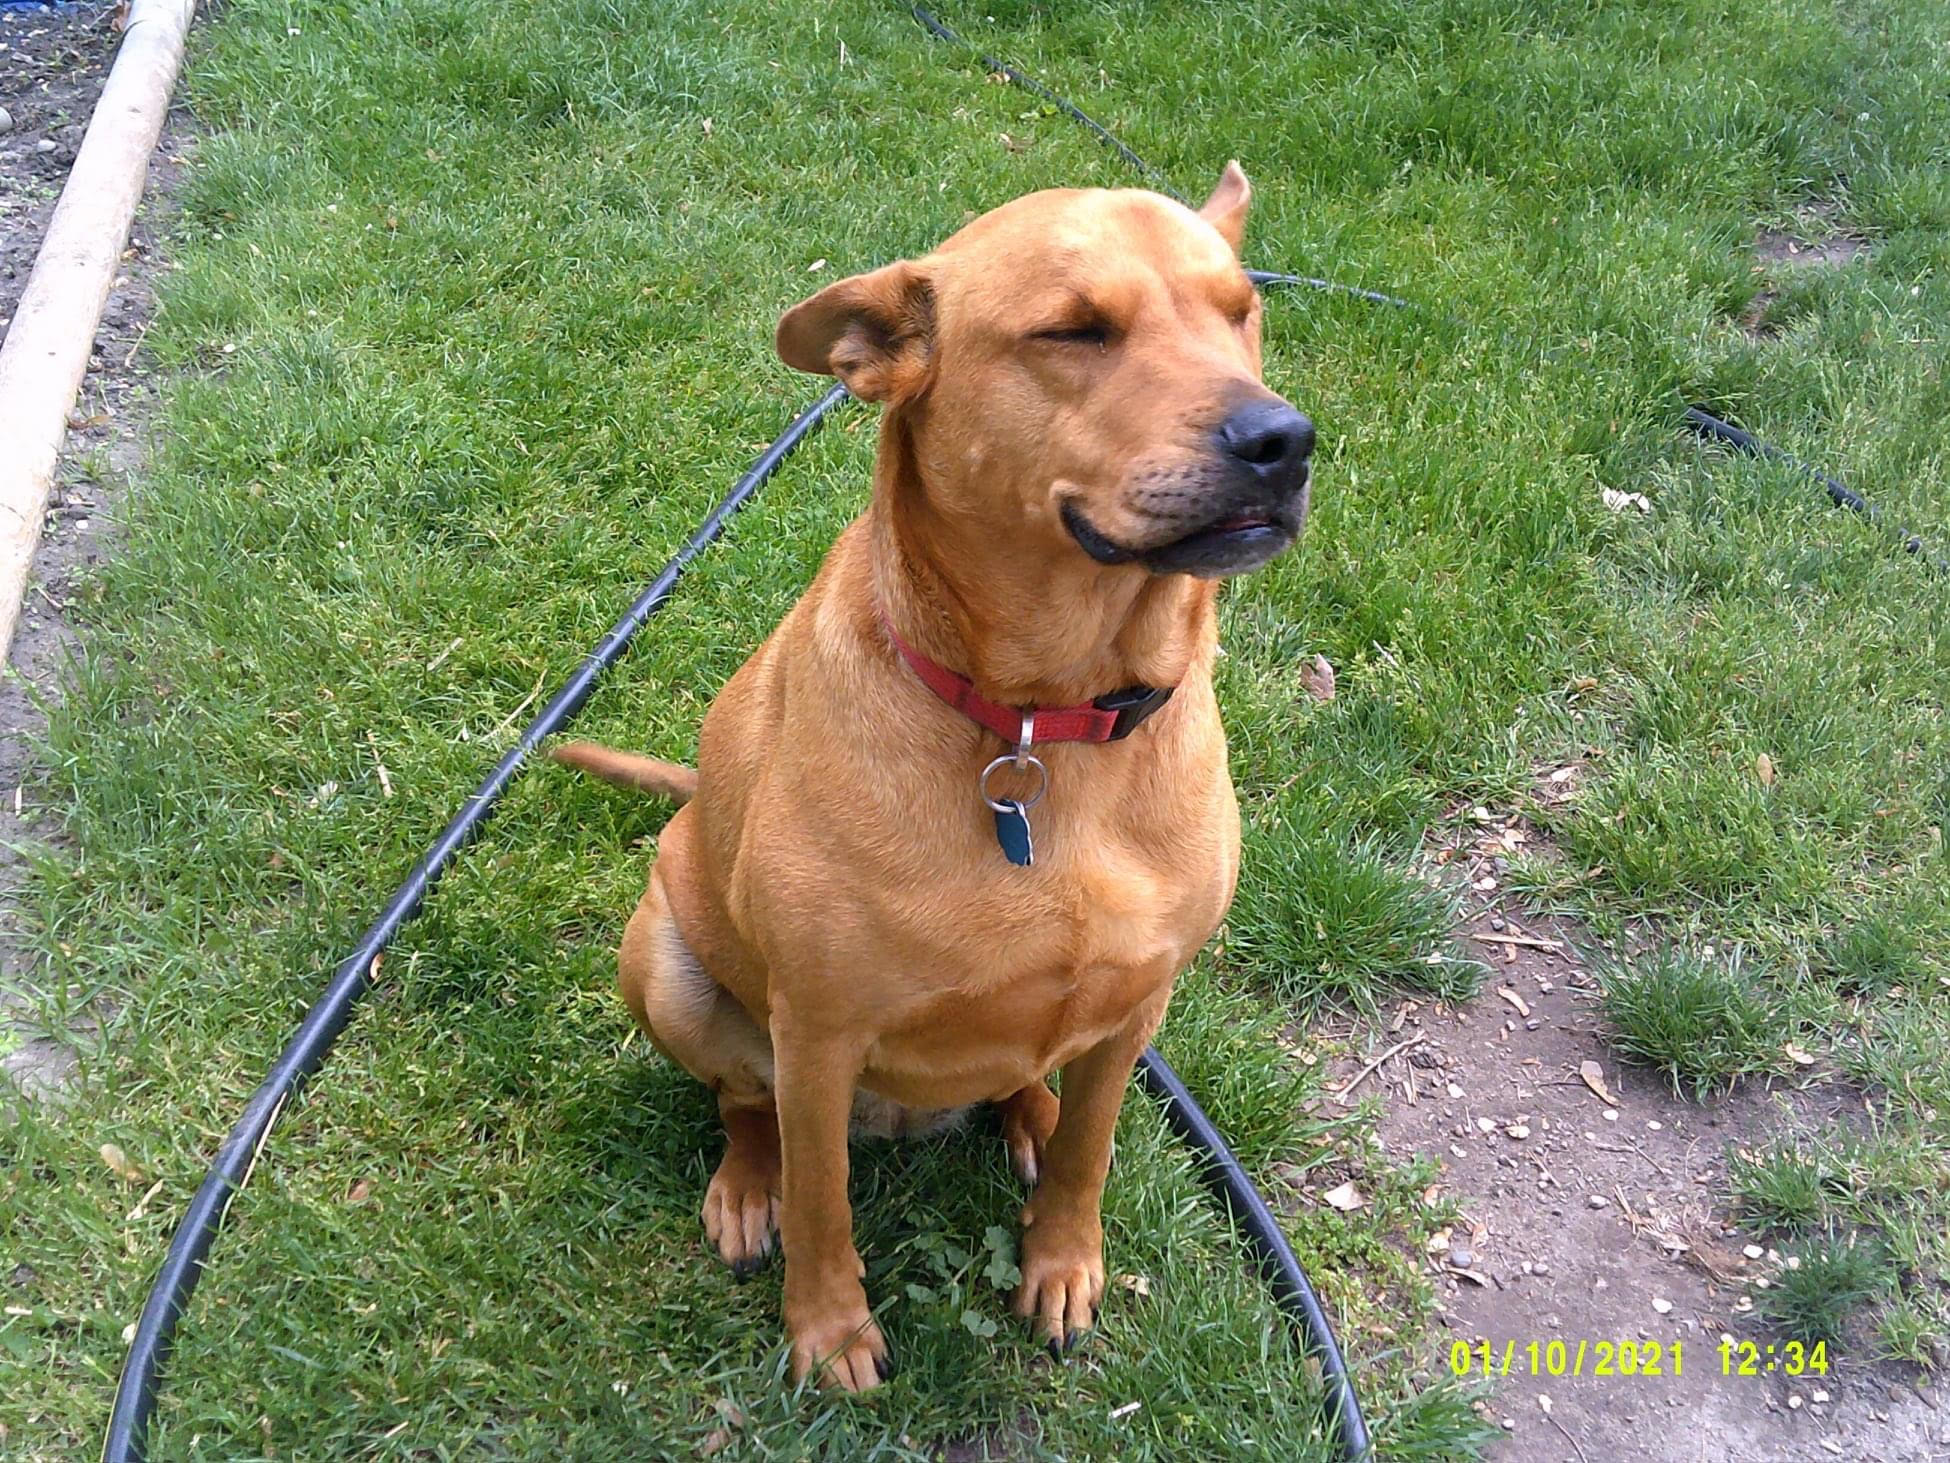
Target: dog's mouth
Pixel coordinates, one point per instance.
(1238, 543)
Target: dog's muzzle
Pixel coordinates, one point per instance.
(1259, 496)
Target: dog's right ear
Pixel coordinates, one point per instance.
(874, 331)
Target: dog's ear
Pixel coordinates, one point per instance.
(874, 331)
(1225, 210)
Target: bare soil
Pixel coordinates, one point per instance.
(52, 66)
(1589, 1221)
(1815, 242)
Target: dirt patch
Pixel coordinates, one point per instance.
(52, 66)
(1591, 1218)
(1775, 246)
(1817, 241)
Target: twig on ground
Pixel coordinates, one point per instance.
(385, 782)
(1368, 1070)
(1567, 1436)
(1631, 1147)
(527, 701)
(1529, 941)
(438, 660)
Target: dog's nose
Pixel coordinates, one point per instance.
(1270, 437)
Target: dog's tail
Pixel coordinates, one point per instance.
(670, 780)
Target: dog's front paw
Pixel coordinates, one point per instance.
(1062, 1279)
(841, 1344)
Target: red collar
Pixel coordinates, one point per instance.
(1109, 718)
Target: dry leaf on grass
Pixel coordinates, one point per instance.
(1346, 1198)
(1798, 1054)
(1318, 678)
(119, 1165)
(1764, 769)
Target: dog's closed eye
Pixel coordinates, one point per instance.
(1094, 333)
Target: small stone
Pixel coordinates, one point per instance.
(1654, 1125)
(1460, 1257)
(1794, 1401)
(1532, 1024)
(1541, 1268)
(1597, 1201)
(1819, 1395)
(1752, 1252)
(6, 120)
(1518, 1131)
(1662, 1305)
(1794, 1262)
(1611, 1115)
(1509, 1424)
(1497, 922)
(1528, 1268)
(1487, 1125)
(45, 145)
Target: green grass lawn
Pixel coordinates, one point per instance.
(472, 323)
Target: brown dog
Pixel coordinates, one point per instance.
(1076, 444)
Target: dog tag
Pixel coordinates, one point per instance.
(1012, 833)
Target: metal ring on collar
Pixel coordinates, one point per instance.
(1011, 759)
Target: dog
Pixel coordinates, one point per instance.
(964, 816)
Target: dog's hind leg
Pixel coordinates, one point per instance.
(1028, 1118)
(698, 1024)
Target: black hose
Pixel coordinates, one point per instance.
(135, 1395)
(1841, 493)
(1263, 1235)
(1063, 104)
(1264, 277)
(1117, 145)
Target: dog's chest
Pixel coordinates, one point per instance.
(1041, 963)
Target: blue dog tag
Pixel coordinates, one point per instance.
(1012, 833)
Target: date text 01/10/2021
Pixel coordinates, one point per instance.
(1560, 1358)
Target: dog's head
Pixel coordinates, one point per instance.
(1082, 366)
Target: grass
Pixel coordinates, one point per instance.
(1697, 1022)
(471, 325)
(1784, 1187)
(1813, 1298)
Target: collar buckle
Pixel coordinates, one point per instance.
(1133, 705)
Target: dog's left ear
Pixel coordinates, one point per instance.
(874, 331)
(1225, 210)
